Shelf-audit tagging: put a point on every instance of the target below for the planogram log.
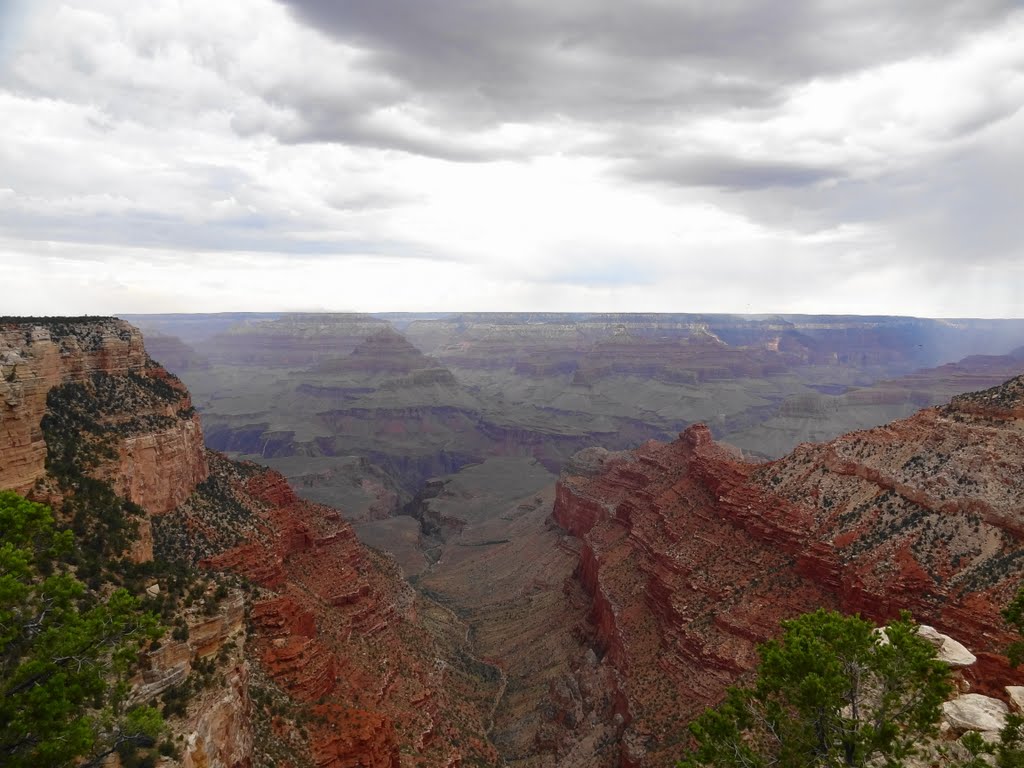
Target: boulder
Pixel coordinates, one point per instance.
(1016, 695)
(947, 649)
(974, 712)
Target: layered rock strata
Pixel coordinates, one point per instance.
(83, 401)
(217, 730)
(289, 341)
(94, 377)
(34, 358)
(337, 629)
(692, 556)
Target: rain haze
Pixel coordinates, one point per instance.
(821, 157)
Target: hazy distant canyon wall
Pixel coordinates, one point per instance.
(404, 390)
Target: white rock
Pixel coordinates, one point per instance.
(1016, 696)
(974, 712)
(947, 649)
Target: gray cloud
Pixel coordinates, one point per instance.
(727, 172)
(965, 209)
(154, 230)
(959, 209)
(524, 59)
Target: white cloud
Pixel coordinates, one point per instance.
(200, 156)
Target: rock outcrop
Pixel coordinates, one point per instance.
(974, 712)
(947, 649)
(90, 423)
(337, 630)
(354, 737)
(36, 356)
(135, 418)
(217, 731)
(692, 555)
(158, 469)
(171, 663)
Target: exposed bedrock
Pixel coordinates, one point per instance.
(153, 441)
(692, 555)
(34, 358)
(334, 626)
(340, 631)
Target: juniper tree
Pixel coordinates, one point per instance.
(832, 691)
(65, 651)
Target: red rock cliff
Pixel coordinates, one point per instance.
(154, 453)
(34, 358)
(340, 633)
(156, 469)
(693, 556)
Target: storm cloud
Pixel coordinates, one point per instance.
(523, 60)
(734, 156)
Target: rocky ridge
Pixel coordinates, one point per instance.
(311, 394)
(540, 340)
(692, 555)
(338, 628)
(653, 594)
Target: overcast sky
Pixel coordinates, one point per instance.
(861, 156)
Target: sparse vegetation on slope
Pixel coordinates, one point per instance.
(832, 691)
(66, 651)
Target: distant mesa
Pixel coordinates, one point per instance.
(383, 351)
(291, 340)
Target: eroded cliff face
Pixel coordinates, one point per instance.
(693, 556)
(219, 732)
(216, 730)
(686, 557)
(89, 422)
(336, 627)
(34, 358)
(159, 468)
(154, 455)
